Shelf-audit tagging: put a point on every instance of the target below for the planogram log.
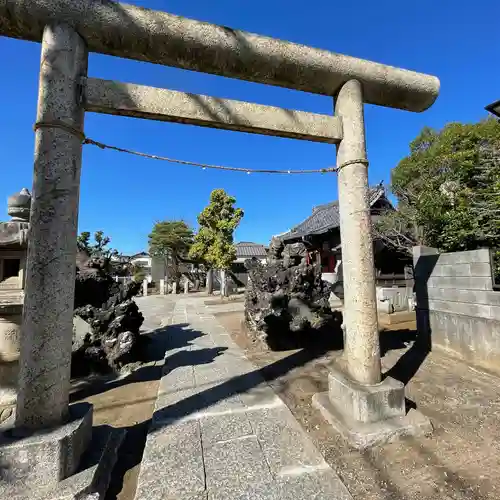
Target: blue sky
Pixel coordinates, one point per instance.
(124, 195)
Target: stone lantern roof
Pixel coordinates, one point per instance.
(14, 233)
(19, 205)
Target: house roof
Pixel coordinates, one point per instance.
(326, 217)
(121, 258)
(138, 255)
(246, 249)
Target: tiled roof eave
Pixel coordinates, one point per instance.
(319, 212)
(301, 234)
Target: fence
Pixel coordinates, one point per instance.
(123, 279)
(457, 306)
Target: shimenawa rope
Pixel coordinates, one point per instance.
(86, 140)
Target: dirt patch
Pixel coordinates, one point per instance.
(460, 460)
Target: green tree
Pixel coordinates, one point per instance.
(97, 248)
(214, 242)
(171, 240)
(448, 190)
(138, 272)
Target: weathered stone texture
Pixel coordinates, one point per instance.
(19, 205)
(367, 403)
(45, 458)
(363, 435)
(361, 343)
(136, 33)
(10, 333)
(225, 427)
(127, 99)
(286, 301)
(481, 255)
(106, 322)
(172, 463)
(44, 370)
(283, 441)
(93, 474)
(232, 464)
(474, 339)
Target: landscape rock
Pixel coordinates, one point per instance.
(106, 320)
(276, 247)
(294, 254)
(287, 302)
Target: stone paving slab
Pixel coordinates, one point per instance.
(172, 463)
(218, 430)
(235, 464)
(177, 379)
(286, 447)
(153, 308)
(324, 485)
(193, 404)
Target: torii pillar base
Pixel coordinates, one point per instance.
(72, 461)
(369, 415)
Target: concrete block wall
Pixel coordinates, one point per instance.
(457, 307)
(394, 299)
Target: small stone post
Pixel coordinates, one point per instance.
(145, 288)
(223, 283)
(45, 359)
(186, 287)
(162, 287)
(361, 349)
(210, 281)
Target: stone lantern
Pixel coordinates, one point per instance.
(13, 248)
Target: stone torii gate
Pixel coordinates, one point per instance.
(68, 31)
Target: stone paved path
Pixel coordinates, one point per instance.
(155, 308)
(218, 431)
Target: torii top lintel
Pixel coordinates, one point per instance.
(147, 35)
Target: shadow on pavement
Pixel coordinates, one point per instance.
(179, 336)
